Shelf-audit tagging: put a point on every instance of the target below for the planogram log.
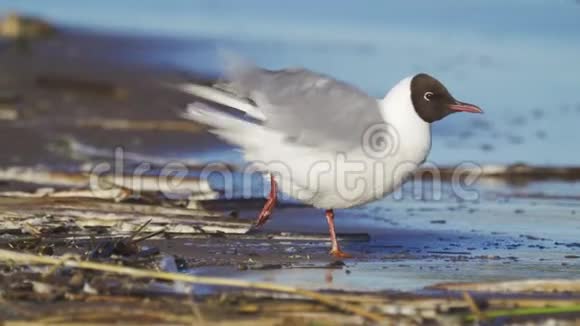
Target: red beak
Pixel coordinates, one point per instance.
(465, 107)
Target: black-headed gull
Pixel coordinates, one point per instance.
(321, 140)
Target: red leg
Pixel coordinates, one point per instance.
(335, 251)
(269, 206)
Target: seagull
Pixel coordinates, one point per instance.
(320, 140)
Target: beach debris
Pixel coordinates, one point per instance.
(127, 246)
(101, 183)
(78, 216)
(101, 293)
(524, 286)
(118, 194)
(327, 300)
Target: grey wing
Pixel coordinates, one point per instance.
(310, 108)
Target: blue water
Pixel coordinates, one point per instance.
(518, 59)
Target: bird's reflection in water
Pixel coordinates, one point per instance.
(328, 278)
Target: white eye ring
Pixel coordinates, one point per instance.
(427, 96)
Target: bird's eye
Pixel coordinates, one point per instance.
(428, 96)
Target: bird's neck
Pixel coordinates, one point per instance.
(414, 134)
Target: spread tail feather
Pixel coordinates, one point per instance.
(223, 98)
(230, 128)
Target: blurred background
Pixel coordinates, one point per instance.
(517, 59)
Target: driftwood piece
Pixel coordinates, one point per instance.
(545, 286)
(117, 194)
(181, 186)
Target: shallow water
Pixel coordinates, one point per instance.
(417, 243)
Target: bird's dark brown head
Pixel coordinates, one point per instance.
(433, 102)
